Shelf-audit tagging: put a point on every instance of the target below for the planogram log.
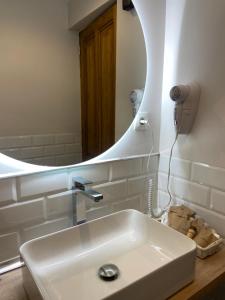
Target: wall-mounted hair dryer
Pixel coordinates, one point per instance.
(186, 98)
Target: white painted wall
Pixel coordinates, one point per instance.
(194, 50)
(39, 73)
(131, 65)
(80, 10)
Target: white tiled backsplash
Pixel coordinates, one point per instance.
(50, 149)
(35, 205)
(200, 186)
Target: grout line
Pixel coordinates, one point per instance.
(110, 173)
(45, 208)
(209, 199)
(18, 189)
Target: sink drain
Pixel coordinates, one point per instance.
(108, 272)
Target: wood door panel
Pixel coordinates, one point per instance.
(98, 72)
(107, 85)
(89, 97)
(91, 125)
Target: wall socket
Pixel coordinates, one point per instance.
(141, 121)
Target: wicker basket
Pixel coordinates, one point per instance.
(211, 249)
(202, 252)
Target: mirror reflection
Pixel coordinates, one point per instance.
(68, 92)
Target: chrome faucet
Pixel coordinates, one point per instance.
(80, 186)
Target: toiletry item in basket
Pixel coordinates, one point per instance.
(182, 210)
(191, 232)
(205, 237)
(180, 218)
(198, 223)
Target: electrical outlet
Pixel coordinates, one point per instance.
(141, 121)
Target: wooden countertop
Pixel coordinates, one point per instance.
(209, 275)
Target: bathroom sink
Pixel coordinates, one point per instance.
(153, 260)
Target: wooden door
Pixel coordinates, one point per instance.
(98, 77)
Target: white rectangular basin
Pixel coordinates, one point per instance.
(154, 260)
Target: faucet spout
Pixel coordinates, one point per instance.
(93, 195)
(80, 187)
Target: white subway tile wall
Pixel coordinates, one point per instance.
(94, 213)
(137, 185)
(9, 246)
(208, 175)
(96, 173)
(8, 191)
(31, 206)
(112, 190)
(199, 186)
(132, 203)
(35, 205)
(126, 168)
(42, 184)
(46, 150)
(179, 167)
(32, 232)
(12, 216)
(59, 205)
(218, 201)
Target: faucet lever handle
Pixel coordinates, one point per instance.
(80, 183)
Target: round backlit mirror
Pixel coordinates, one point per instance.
(68, 92)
